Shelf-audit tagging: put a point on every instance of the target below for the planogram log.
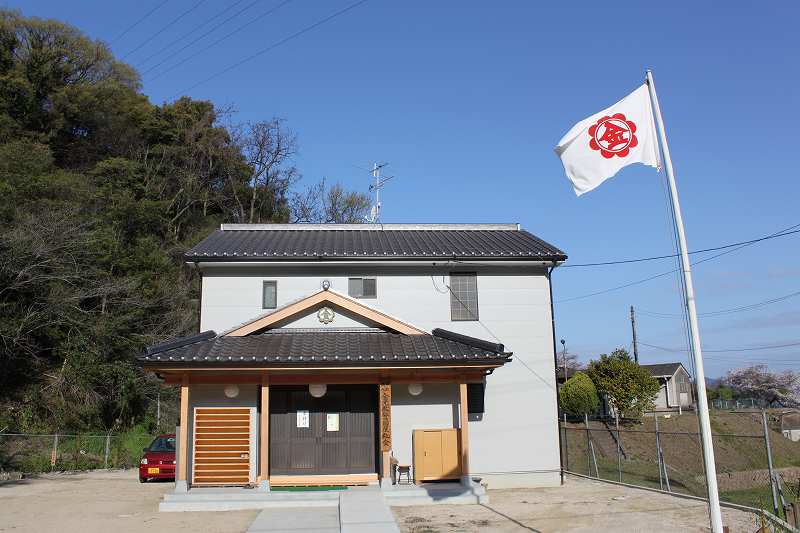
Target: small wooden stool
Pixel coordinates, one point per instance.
(404, 469)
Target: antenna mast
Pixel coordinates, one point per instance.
(375, 213)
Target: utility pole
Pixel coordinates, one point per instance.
(564, 358)
(635, 346)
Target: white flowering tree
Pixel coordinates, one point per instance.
(757, 381)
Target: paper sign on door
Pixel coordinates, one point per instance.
(333, 421)
(302, 419)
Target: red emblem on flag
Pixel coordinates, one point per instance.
(613, 136)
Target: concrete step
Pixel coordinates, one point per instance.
(241, 495)
(238, 505)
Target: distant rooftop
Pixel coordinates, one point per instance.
(331, 242)
(662, 369)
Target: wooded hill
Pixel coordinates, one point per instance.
(101, 192)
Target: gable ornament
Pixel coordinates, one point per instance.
(326, 315)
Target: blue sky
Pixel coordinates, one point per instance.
(466, 100)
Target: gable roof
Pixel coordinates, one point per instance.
(292, 310)
(324, 347)
(663, 369)
(364, 242)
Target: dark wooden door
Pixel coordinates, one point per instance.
(337, 437)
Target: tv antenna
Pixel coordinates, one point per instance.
(375, 213)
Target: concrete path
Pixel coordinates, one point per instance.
(360, 510)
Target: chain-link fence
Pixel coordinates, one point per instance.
(756, 465)
(28, 453)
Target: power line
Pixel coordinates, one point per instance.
(752, 349)
(274, 45)
(193, 30)
(129, 28)
(223, 38)
(657, 257)
(723, 312)
(164, 28)
(637, 282)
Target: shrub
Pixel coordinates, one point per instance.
(579, 395)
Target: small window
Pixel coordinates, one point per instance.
(362, 287)
(463, 296)
(475, 393)
(270, 295)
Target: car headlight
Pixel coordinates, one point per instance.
(144, 460)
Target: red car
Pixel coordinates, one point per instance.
(158, 461)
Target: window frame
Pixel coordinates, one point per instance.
(264, 284)
(361, 295)
(459, 302)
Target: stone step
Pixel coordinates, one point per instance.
(300, 497)
(407, 500)
(238, 505)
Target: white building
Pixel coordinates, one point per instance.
(350, 348)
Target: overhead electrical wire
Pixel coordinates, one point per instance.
(670, 256)
(274, 45)
(726, 350)
(167, 47)
(164, 28)
(221, 39)
(138, 21)
(786, 231)
(723, 312)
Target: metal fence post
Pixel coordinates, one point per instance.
(769, 463)
(54, 453)
(108, 444)
(566, 444)
(619, 452)
(658, 454)
(588, 445)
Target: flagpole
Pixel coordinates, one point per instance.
(697, 353)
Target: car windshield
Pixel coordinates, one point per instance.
(163, 444)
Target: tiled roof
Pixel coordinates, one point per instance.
(662, 369)
(282, 242)
(315, 347)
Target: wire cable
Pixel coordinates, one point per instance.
(723, 312)
(221, 39)
(644, 280)
(726, 350)
(164, 28)
(658, 257)
(165, 48)
(139, 21)
(273, 46)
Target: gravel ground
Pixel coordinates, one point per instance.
(579, 505)
(103, 501)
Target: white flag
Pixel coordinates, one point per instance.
(598, 147)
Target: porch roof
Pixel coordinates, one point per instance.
(321, 347)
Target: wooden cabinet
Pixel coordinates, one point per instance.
(436, 454)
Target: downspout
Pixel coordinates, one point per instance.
(555, 372)
(199, 300)
(666, 390)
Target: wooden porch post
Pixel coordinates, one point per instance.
(263, 439)
(464, 430)
(385, 414)
(183, 440)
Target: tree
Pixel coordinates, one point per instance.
(578, 396)
(628, 387)
(781, 388)
(332, 205)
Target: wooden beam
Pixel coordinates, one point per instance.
(183, 440)
(320, 299)
(263, 441)
(464, 429)
(343, 479)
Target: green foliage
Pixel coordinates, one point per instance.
(101, 192)
(578, 396)
(628, 387)
(721, 392)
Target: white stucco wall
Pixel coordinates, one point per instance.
(516, 442)
(436, 408)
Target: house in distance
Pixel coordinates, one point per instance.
(328, 354)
